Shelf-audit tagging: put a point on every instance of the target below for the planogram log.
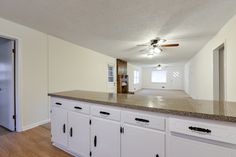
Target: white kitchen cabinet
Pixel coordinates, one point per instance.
(200, 139)
(105, 138)
(189, 147)
(142, 142)
(59, 126)
(79, 133)
(116, 132)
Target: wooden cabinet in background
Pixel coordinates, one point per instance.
(122, 77)
(122, 84)
(121, 67)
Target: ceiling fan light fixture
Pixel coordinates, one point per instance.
(150, 55)
(159, 67)
(156, 50)
(161, 41)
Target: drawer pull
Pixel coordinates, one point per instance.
(95, 141)
(64, 128)
(197, 129)
(104, 113)
(77, 107)
(142, 120)
(57, 103)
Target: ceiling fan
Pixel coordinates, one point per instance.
(155, 46)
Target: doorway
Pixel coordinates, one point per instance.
(7, 84)
(219, 74)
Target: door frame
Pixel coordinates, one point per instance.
(216, 50)
(17, 106)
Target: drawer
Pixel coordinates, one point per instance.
(104, 112)
(204, 130)
(144, 120)
(76, 106)
(62, 103)
(80, 106)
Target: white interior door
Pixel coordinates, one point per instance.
(105, 138)
(7, 106)
(111, 78)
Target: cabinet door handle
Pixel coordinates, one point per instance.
(157, 155)
(95, 141)
(64, 128)
(197, 129)
(142, 120)
(71, 132)
(104, 113)
(77, 107)
(57, 103)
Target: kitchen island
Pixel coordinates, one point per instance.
(99, 124)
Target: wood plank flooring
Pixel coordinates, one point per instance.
(32, 143)
(165, 93)
(3, 131)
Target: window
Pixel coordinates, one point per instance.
(136, 77)
(159, 76)
(110, 73)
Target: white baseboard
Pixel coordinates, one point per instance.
(31, 126)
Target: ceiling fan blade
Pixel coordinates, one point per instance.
(143, 50)
(142, 45)
(169, 45)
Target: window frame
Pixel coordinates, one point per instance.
(108, 74)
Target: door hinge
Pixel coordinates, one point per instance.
(90, 122)
(14, 116)
(90, 153)
(122, 130)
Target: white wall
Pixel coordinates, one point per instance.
(172, 82)
(130, 70)
(48, 64)
(73, 67)
(200, 67)
(32, 70)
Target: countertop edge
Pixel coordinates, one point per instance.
(157, 110)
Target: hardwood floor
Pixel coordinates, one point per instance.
(165, 93)
(32, 143)
(3, 131)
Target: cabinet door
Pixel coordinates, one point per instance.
(184, 147)
(105, 138)
(59, 126)
(142, 142)
(79, 133)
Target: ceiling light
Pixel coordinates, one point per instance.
(150, 55)
(159, 67)
(161, 41)
(156, 50)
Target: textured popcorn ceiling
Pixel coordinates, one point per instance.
(115, 27)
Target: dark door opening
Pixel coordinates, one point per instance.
(7, 84)
(219, 79)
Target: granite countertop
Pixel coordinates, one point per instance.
(175, 106)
